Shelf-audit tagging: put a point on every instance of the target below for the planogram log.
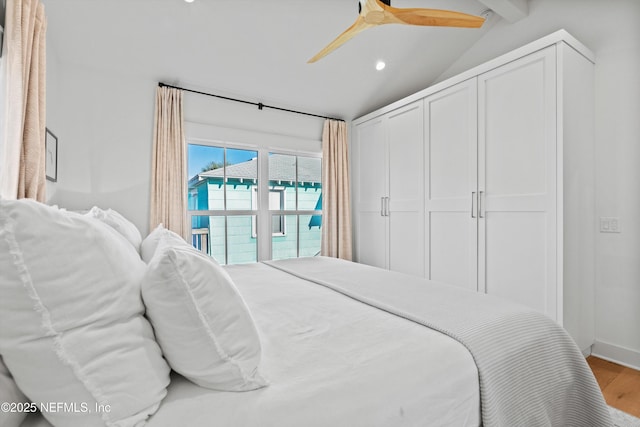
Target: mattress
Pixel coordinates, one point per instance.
(331, 360)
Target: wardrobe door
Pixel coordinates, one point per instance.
(517, 181)
(406, 177)
(371, 191)
(451, 185)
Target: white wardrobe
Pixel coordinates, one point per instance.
(486, 181)
(391, 180)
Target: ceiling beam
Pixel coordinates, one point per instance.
(510, 10)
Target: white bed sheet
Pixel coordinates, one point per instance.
(332, 361)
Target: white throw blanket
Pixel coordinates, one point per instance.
(531, 372)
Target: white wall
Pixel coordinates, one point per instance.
(610, 29)
(104, 124)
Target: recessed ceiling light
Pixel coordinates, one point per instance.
(189, 1)
(380, 65)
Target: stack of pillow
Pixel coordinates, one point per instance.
(87, 324)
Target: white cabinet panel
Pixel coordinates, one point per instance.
(517, 181)
(451, 185)
(452, 249)
(372, 178)
(373, 241)
(516, 258)
(406, 245)
(515, 102)
(372, 170)
(406, 171)
(406, 182)
(577, 193)
(389, 194)
(451, 141)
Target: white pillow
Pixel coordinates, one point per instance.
(200, 320)
(119, 223)
(11, 394)
(73, 329)
(150, 243)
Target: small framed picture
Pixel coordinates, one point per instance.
(51, 160)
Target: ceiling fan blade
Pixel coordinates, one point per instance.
(431, 17)
(375, 12)
(357, 27)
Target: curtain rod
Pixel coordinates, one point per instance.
(260, 105)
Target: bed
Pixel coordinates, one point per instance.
(343, 344)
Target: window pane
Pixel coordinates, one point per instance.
(285, 246)
(242, 245)
(242, 176)
(282, 177)
(309, 183)
(200, 236)
(277, 225)
(276, 199)
(207, 235)
(205, 168)
(310, 235)
(217, 243)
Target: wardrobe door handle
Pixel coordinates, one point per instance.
(382, 206)
(473, 196)
(480, 204)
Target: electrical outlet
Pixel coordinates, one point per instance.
(609, 225)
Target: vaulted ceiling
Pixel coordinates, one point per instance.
(258, 49)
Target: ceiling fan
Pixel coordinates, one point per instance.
(379, 12)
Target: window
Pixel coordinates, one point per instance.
(220, 202)
(300, 180)
(225, 193)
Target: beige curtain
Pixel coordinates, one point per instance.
(336, 205)
(22, 148)
(168, 168)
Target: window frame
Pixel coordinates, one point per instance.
(261, 214)
(294, 212)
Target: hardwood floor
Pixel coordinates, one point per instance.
(619, 384)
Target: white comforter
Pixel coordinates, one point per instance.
(332, 361)
(531, 372)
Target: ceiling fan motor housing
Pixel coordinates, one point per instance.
(387, 2)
